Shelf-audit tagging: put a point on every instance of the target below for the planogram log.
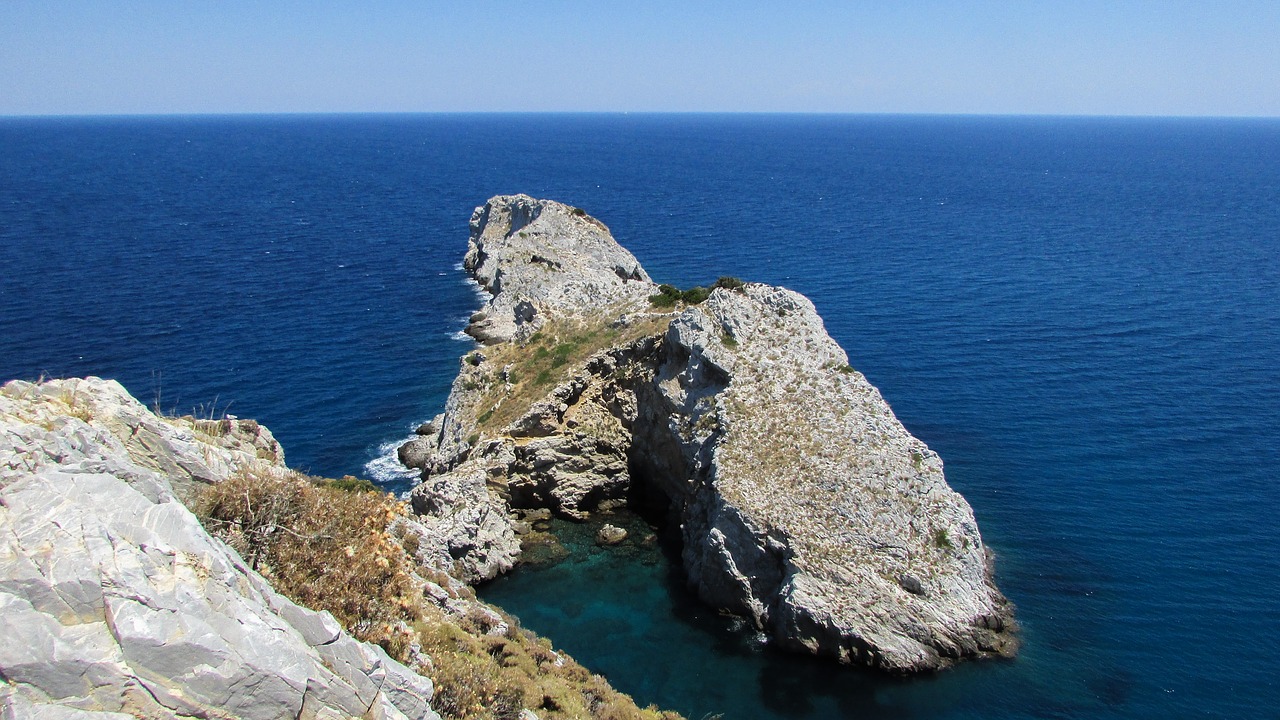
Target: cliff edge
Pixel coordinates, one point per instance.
(803, 503)
(115, 602)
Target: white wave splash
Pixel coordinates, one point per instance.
(385, 468)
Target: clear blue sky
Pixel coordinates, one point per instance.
(1119, 57)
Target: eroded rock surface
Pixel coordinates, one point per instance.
(115, 602)
(802, 502)
(807, 506)
(564, 261)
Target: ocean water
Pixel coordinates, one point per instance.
(1081, 315)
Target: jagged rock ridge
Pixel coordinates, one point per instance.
(115, 602)
(803, 503)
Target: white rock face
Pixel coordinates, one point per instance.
(565, 263)
(114, 601)
(802, 501)
(465, 529)
(810, 508)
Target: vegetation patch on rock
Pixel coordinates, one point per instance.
(516, 374)
(670, 296)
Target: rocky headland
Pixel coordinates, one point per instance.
(162, 567)
(802, 502)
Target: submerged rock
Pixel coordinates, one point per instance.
(802, 502)
(610, 534)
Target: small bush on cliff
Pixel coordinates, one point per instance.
(670, 295)
(729, 282)
(350, 484)
(667, 296)
(323, 546)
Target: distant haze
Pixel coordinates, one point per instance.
(1119, 57)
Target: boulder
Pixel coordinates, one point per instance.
(610, 534)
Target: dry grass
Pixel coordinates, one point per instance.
(323, 547)
(548, 358)
(483, 675)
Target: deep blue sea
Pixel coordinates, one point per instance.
(1082, 316)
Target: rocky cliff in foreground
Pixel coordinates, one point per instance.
(802, 502)
(115, 602)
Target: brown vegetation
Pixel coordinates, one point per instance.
(516, 375)
(323, 547)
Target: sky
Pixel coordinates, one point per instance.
(1119, 57)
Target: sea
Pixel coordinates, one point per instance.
(1080, 315)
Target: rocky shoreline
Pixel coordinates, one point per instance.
(803, 504)
(172, 567)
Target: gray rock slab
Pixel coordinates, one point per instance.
(115, 601)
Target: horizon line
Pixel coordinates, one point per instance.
(808, 113)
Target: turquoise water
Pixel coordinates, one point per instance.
(1082, 316)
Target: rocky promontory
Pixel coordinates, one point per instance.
(802, 502)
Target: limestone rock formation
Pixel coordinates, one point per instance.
(568, 262)
(114, 601)
(807, 505)
(802, 502)
(610, 534)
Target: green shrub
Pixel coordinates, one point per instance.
(695, 295)
(670, 295)
(729, 282)
(663, 301)
(348, 483)
(562, 353)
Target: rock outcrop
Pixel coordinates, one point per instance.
(802, 502)
(566, 263)
(115, 602)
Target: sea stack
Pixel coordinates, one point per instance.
(802, 502)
